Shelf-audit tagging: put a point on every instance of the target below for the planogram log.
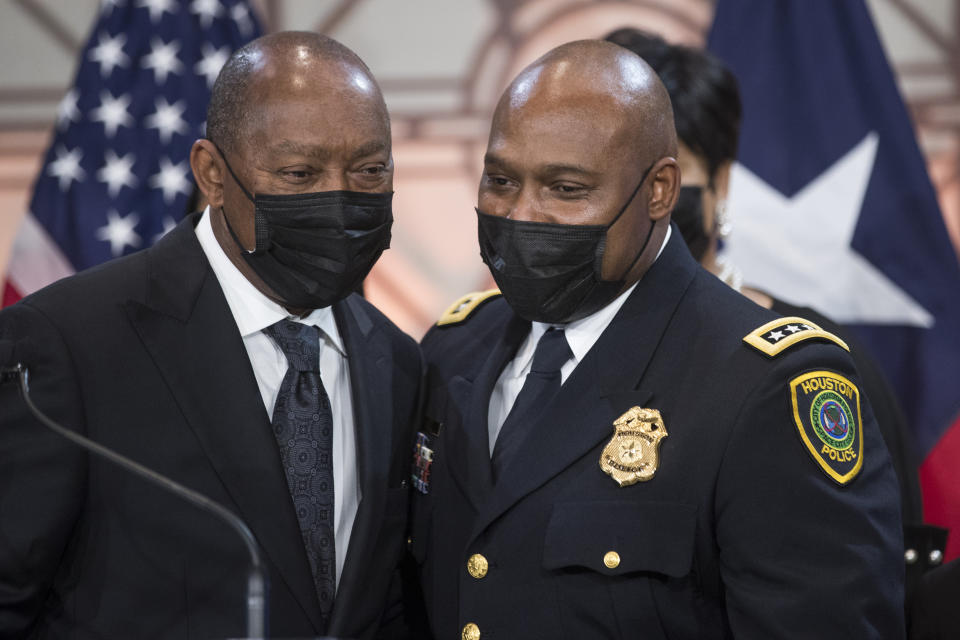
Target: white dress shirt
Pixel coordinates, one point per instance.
(581, 335)
(253, 312)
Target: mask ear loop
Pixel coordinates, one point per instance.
(261, 229)
(633, 195)
(639, 253)
(646, 241)
(223, 157)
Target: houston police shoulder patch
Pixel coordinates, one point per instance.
(781, 334)
(826, 411)
(463, 307)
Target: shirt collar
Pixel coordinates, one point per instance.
(581, 334)
(252, 311)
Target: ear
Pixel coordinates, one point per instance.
(665, 188)
(208, 171)
(721, 179)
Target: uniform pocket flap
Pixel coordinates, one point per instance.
(618, 537)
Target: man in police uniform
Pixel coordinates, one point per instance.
(621, 445)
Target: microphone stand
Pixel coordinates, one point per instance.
(257, 584)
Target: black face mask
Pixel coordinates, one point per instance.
(688, 214)
(314, 249)
(551, 272)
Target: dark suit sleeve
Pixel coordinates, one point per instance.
(800, 555)
(42, 476)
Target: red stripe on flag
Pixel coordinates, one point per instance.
(10, 295)
(940, 480)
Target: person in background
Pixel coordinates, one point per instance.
(707, 111)
(619, 445)
(233, 357)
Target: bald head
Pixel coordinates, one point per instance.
(585, 136)
(601, 78)
(285, 61)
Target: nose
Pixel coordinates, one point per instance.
(526, 207)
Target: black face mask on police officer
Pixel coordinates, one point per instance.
(550, 272)
(314, 249)
(688, 214)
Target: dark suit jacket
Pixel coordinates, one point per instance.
(738, 534)
(143, 356)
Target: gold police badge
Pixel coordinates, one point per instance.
(633, 454)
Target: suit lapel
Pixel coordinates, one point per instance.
(606, 383)
(371, 383)
(469, 458)
(186, 326)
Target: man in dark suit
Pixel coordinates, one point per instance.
(232, 357)
(621, 446)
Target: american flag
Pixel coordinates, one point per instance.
(117, 175)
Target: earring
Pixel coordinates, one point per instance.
(724, 226)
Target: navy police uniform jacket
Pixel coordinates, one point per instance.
(759, 502)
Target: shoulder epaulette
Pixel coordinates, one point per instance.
(779, 335)
(462, 308)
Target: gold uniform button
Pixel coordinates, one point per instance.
(470, 632)
(611, 559)
(477, 566)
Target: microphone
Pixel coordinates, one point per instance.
(11, 369)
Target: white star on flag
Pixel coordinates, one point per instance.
(120, 232)
(112, 112)
(207, 10)
(109, 53)
(168, 225)
(171, 179)
(799, 248)
(67, 111)
(122, 135)
(163, 59)
(156, 8)
(167, 119)
(211, 62)
(241, 15)
(117, 172)
(67, 166)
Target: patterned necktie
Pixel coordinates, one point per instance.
(303, 425)
(539, 387)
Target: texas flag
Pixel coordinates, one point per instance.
(116, 176)
(833, 209)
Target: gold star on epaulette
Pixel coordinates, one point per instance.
(778, 335)
(462, 308)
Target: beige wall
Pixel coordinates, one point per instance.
(442, 64)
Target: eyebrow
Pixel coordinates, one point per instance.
(556, 167)
(370, 148)
(298, 148)
(294, 147)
